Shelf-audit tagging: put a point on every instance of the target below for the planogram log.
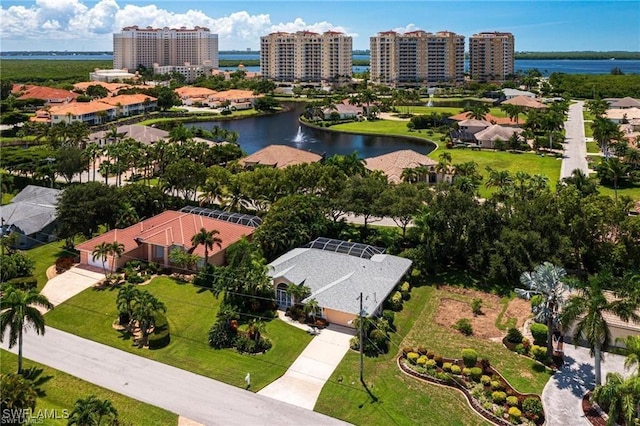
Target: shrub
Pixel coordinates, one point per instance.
(160, 336)
(422, 350)
(514, 335)
(532, 406)
(466, 371)
(422, 361)
(21, 283)
(412, 357)
(539, 353)
(438, 360)
(379, 340)
(476, 374)
(485, 380)
(245, 345)
(485, 364)
(406, 350)
(469, 357)
(512, 401)
(430, 363)
(455, 369)
(498, 397)
(405, 287)
(354, 343)
(498, 411)
(539, 333)
(395, 301)
(520, 349)
(463, 325)
(487, 406)
(63, 264)
(221, 336)
(476, 306)
(497, 385)
(447, 366)
(431, 354)
(390, 316)
(526, 344)
(514, 414)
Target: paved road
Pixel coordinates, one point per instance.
(575, 147)
(562, 395)
(201, 399)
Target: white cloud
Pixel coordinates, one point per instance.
(79, 26)
(407, 28)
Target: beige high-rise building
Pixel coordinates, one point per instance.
(135, 46)
(306, 56)
(491, 56)
(417, 58)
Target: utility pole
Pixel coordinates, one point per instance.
(361, 345)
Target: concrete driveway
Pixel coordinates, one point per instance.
(66, 285)
(562, 395)
(302, 383)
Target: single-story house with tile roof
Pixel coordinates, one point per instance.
(491, 119)
(488, 137)
(31, 215)
(512, 93)
(49, 95)
(151, 240)
(526, 102)
(394, 163)
(620, 114)
(344, 110)
(279, 156)
(627, 102)
(337, 273)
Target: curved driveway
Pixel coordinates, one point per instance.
(199, 398)
(575, 146)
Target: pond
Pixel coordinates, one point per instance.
(284, 129)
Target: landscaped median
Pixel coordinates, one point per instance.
(60, 392)
(190, 312)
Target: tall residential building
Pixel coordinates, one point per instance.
(306, 57)
(491, 56)
(417, 58)
(136, 46)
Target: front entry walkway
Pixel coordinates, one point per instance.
(562, 395)
(302, 382)
(67, 284)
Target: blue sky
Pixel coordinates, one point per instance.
(537, 25)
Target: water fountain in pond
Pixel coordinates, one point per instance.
(431, 91)
(299, 138)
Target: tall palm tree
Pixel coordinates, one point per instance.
(144, 312)
(101, 251)
(619, 397)
(587, 310)
(18, 310)
(604, 131)
(444, 164)
(597, 107)
(116, 250)
(613, 170)
(478, 112)
(546, 280)
(513, 111)
(632, 346)
(126, 298)
(311, 307)
(582, 182)
(207, 239)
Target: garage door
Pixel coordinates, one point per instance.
(98, 262)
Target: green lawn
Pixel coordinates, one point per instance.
(45, 256)
(497, 112)
(588, 130)
(405, 401)
(592, 148)
(632, 192)
(190, 312)
(61, 391)
(6, 198)
(400, 400)
(385, 127)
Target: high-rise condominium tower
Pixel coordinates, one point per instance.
(136, 46)
(417, 58)
(306, 56)
(491, 56)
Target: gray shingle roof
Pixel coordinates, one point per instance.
(32, 209)
(336, 279)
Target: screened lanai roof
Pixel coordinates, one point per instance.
(238, 218)
(360, 250)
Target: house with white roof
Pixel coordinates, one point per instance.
(337, 273)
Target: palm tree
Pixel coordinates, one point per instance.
(127, 296)
(144, 312)
(208, 239)
(101, 251)
(311, 307)
(513, 111)
(409, 175)
(632, 346)
(546, 281)
(587, 310)
(444, 165)
(604, 131)
(619, 397)
(91, 153)
(298, 292)
(613, 170)
(478, 112)
(597, 107)
(582, 182)
(116, 250)
(500, 179)
(212, 192)
(89, 411)
(18, 310)
(18, 393)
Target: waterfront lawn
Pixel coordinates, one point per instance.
(61, 390)
(399, 399)
(385, 127)
(497, 112)
(403, 400)
(191, 311)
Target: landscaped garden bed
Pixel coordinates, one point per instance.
(487, 391)
(591, 412)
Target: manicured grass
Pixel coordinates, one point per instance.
(45, 256)
(399, 399)
(588, 130)
(7, 197)
(592, 148)
(632, 192)
(587, 115)
(61, 390)
(497, 112)
(204, 116)
(385, 127)
(191, 312)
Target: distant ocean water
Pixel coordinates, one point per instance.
(545, 66)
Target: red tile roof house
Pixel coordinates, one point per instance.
(151, 240)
